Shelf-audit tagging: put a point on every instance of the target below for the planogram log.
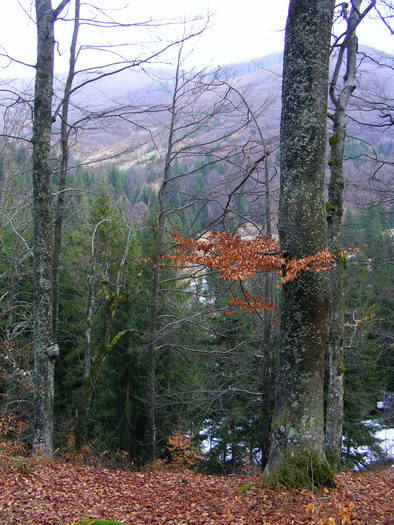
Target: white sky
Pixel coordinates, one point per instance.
(239, 29)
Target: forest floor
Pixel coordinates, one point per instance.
(35, 492)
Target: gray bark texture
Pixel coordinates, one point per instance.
(3, 178)
(43, 333)
(45, 348)
(297, 433)
(340, 97)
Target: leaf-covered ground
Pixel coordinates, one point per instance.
(38, 493)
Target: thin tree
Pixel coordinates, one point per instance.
(94, 357)
(267, 373)
(64, 164)
(198, 101)
(340, 96)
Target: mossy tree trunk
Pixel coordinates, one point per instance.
(94, 357)
(92, 369)
(45, 348)
(297, 437)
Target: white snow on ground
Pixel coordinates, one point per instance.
(386, 437)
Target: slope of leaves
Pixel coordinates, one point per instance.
(50, 493)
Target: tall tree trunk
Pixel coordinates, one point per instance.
(64, 142)
(43, 333)
(45, 348)
(335, 359)
(297, 451)
(155, 302)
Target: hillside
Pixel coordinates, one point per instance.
(128, 117)
(257, 79)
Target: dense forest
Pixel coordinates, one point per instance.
(114, 350)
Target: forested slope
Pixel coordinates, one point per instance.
(146, 347)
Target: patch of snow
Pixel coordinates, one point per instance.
(385, 437)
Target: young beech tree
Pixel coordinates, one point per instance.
(297, 448)
(237, 259)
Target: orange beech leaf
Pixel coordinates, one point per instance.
(252, 304)
(235, 258)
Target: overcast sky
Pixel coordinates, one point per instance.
(239, 30)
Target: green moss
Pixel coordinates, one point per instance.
(331, 161)
(341, 370)
(98, 522)
(246, 488)
(334, 139)
(330, 207)
(301, 468)
(341, 259)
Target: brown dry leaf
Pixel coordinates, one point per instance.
(309, 508)
(59, 494)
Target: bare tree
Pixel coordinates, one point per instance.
(205, 113)
(267, 147)
(64, 164)
(340, 96)
(75, 118)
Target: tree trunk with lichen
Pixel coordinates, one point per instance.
(93, 365)
(45, 348)
(297, 455)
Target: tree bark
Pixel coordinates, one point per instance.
(335, 359)
(3, 178)
(297, 451)
(45, 348)
(268, 376)
(92, 367)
